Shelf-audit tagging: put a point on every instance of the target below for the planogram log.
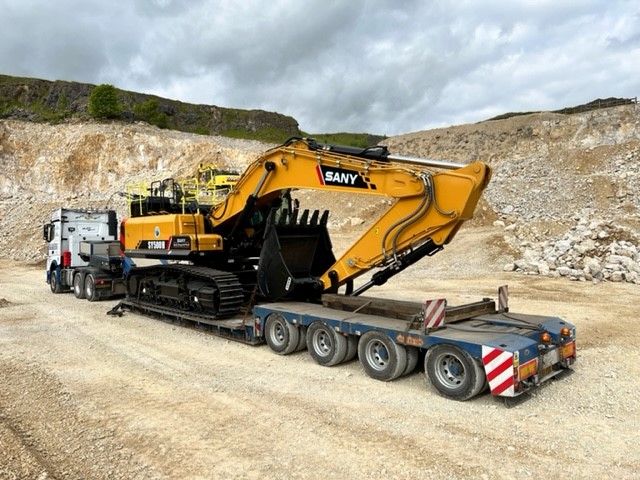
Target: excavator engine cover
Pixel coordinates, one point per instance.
(294, 256)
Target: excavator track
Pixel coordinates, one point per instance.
(188, 289)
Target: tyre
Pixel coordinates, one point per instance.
(54, 283)
(326, 346)
(453, 372)
(281, 336)
(381, 357)
(302, 338)
(90, 291)
(78, 285)
(413, 354)
(352, 348)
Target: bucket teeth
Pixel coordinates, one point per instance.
(308, 218)
(314, 218)
(304, 218)
(284, 218)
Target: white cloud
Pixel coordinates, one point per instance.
(362, 65)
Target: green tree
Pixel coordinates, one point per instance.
(149, 111)
(104, 103)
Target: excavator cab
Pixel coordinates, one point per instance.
(295, 253)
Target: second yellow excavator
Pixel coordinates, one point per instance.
(258, 244)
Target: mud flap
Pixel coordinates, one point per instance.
(294, 255)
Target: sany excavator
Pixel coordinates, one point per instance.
(256, 268)
(258, 237)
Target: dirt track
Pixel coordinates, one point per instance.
(85, 395)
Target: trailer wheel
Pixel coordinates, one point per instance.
(326, 346)
(78, 286)
(90, 291)
(352, 348)
(281, 336)
(413, 355)
(302, 338)
(381, 357)
(453, 372)
(53, 281)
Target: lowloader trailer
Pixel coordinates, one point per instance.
(257, 267)
(466, 349)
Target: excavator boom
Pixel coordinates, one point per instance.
(426, 207)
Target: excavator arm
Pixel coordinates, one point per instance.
(426, 210)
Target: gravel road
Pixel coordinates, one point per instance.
(86, 395)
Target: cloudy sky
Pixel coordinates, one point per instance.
(384, 67)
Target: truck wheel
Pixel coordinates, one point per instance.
(78, 286)
(326, 346)
(453, 372)
(54, 283)
(381, 357)
(90, 288)
(281, 336)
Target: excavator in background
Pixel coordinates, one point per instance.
(209, 187)
(212, 177)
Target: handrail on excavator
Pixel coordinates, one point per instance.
(426, 162)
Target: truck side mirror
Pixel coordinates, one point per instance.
(47, 232)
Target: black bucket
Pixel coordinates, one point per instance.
(294, 255)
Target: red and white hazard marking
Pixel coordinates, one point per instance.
(503, 298)
(498, 365)
(434, 312)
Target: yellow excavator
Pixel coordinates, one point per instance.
(212, 177)
(259, 245)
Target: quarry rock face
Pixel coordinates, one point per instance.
(564, 195)
(565, 188)
(90, 165)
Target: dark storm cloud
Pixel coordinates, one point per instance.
(360, 65)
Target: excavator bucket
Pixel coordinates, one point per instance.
(295, 254)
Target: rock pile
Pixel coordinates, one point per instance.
(590, 251)
(565, 188)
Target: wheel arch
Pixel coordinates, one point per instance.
(53, 267)
(474, 350)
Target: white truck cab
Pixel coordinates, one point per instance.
(83, 253)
